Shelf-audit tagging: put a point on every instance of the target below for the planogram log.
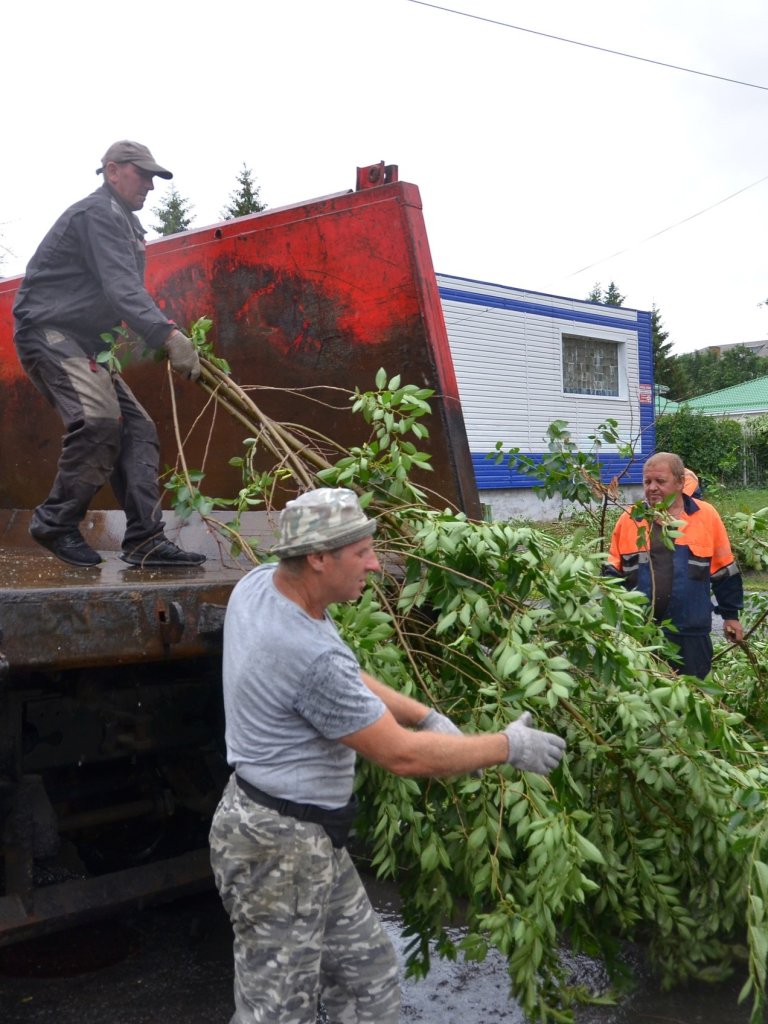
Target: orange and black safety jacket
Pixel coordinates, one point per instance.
(702, 559)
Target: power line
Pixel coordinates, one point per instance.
(670, 227)
(591, 46)
(630, 56)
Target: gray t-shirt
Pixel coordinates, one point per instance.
(292, 687)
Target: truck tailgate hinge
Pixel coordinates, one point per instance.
(374, 175)
(170, 618)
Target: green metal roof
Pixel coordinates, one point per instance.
(665, 405)
(739, 399)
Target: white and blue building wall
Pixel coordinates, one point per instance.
(524, 359)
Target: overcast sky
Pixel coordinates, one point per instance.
(537, 160)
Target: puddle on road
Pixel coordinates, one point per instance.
(478, 993)
(173, 963)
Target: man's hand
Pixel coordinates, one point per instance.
(435, 722)
(733, 630)
(532, 750)
(181, 352)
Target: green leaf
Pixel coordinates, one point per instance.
(478, 837)
(429, 857)
(445, 622)
(588, 850)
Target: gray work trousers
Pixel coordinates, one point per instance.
(303, 924)
(109, 438)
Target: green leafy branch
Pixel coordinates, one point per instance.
(652, 828)
(116, 356)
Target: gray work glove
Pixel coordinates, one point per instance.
(181, 352)
(433, 721)
(532, 750)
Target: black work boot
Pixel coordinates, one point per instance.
(69, 547)
(160, 551)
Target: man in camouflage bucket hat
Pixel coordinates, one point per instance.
(298, 711)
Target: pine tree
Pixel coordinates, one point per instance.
(4, 251)
(174, 213)
(667, 370)
(613, 296)
(244, 199)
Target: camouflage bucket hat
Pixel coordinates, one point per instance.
(321, 520)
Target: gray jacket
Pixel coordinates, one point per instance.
(87, 276)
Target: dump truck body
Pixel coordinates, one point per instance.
(110, 705)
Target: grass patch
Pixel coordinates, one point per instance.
(755, 580)
(729, 500)
(738, 499)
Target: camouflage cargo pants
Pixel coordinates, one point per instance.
(303, 924)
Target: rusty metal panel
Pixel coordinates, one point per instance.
(54, 615)
(317, 295)
(119, 621)
(74, 902)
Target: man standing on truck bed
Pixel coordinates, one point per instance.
(86, 279)
(298, 709)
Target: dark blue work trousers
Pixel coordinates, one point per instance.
(694, 657)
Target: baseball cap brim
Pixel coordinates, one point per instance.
(153, 168)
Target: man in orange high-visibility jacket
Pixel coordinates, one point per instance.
(679, 581)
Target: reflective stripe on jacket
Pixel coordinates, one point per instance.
(702, 562)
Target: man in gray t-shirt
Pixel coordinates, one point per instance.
(292, 689)
(298, 710)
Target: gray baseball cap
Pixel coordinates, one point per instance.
(127, 152)
(321, 520)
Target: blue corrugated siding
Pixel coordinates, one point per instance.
(490, 476)
(540, 309)
(647, 410)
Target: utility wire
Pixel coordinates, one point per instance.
(671, 226)
(590, 46)
(631, 56)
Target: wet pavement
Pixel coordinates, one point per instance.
(171, 964)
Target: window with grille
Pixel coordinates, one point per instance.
(591, 366)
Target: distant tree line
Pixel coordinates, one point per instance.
(712, 369)
(174, 211)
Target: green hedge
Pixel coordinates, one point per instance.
(712, 447)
